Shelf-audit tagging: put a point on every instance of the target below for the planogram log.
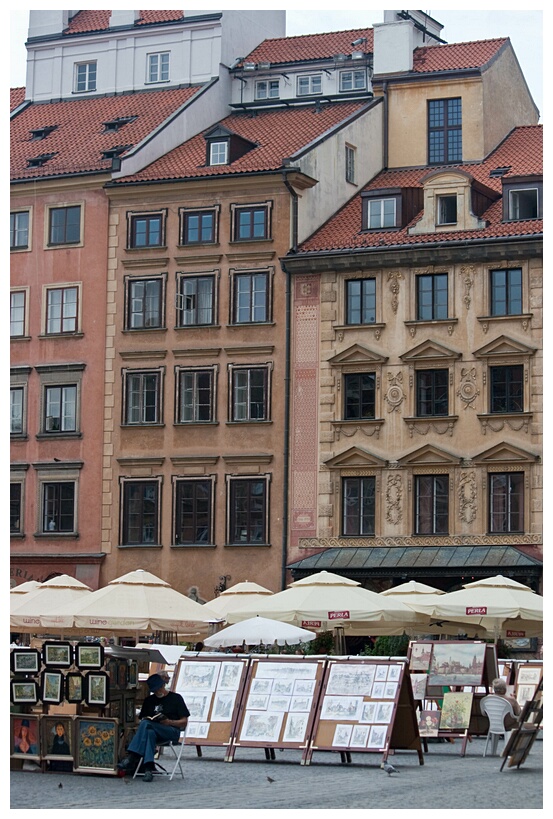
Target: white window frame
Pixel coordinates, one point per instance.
(24, 291)
(440, 201)
(77, 318)
(62, 377)
(219, 152)
(270, 87)
(90, 84)
(312, 79)
(355, 74)
(514, 209)
(157, 67)
(18, 247)
(381, 206)
(350, 156)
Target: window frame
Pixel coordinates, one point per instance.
(510, 396)
(363, 522)
(218, 152)
(253, 292)
(144, 312)
(192, 281)
(350, 155)
(249, 401)
(251, 209)
(60, 376)
(15, 245)
(180, 374)
(508, 514)
(444, 154)
(362, 310)
(268, 95)
(208, 482)
(19, 529)
(353, 72)
(508, 286)
(18, 390)
(444, 209)
(68, 396)
(126, 484)
(433, 387)
(90, 84)
(159, 69)
(186, 214)
(232, 512)
(312, 79)
(513, 209)
(435, 307)
(127, 409)
(74, 321)
(433, 528)
(57, 485)
(347, 379)
(50, 212)
(24, 321)
(134, 217)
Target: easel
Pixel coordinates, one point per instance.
(523, 737)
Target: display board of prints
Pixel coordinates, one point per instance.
(359, 704)
(278, 706)
(212, 687)
(529, 676)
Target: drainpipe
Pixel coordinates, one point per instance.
(286, 482)
(385, 135)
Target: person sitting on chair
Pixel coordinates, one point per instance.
(500, 690)
(163, 716)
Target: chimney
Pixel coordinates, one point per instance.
(123, 17)
(398, 36)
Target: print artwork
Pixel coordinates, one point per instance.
(349, 678)
(342, 734)
(301, 703)
(304, 687)
(25, 740)
(223, 706)
(429, 723)
(197, 676)
(25, 661)
(381, 673)
(261, 686)
(229, 676)
(294, 671)
(359, 736)
(368, 712)
(57, 736)
(336, 708)
(394, 672)
(420, 656)
(295, 728)
(384, 711)
(278, 703)
(377, 737)
(261, 726)
(198, 705)
(257, 702)
(418, 683)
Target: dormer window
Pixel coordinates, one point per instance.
(267, 89)
(446, 210)
(309, 84)
(381, 209)
(353, 80)
(39, 161)
(522, 198)
(523, 204)
(117, 150)
(41, 133)
(114, 125)
(218, 153)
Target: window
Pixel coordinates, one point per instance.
(193, 512)
(523, 204)
(146, 230)
(358, 506)
(198, 227)
(144, 303)
(15, 508)
(18, 305)
(311, 84)
(353, 80)
(381, 213)
(142, 397)
(432, 297)
(360, 301)
(19, 230)
(140, 525)
(431, 504)
(507, 388)
(65, 225)
(447, 210)
(196, 396)
(196, 301)
(267, 89)
(61, 310)
(250, 394)
(506, 502)
(60, 407)
(248, 511)
(17, 399)
(506, 292)
(158, 67)
(85, 77)
(251, 223)
(58, 507)
(359, 396)
(250, 298)
(350, 164)
(218, 153)
(432, 392)
(444, 131)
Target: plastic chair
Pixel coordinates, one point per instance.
(176, 747)
(496, 709)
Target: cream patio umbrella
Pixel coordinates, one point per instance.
(260, 631)
(137, 601)
(236, 597)
(27, 609)
(23, 588)
(504, 607)
(325, 601)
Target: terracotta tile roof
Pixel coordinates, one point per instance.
(277, 134)
(17, 95)
(311, 46)
(456, 56)
(85, 118)
(96, 20)
(521, 151)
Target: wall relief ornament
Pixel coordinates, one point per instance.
(394, 394)
(394, 277)
(467, 496)
(394, 496)
(467, 272)
(468, 390)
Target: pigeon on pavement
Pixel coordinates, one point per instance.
(389, 768)
(269, 779)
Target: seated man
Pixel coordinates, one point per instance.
(163, 716)
(500, 690)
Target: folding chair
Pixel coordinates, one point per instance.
(176, 748)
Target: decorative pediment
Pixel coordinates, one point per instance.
(430, 351)
(357, 354)
(355, 456)
(505, 453)
(504, 346)
(429, 455)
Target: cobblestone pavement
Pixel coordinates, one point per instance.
(445, 781)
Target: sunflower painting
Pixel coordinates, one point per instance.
(97, 745)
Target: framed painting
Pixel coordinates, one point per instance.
(129, 715)
(24, 692)
(25, 661)
(52, 687)
(97, 688)
(57, 655)
(429, 723)
(74, 687)
(455, 714)
(25, 736)
(529, 674)
(111, 668)
(116, 705)
(89, 655)
(457, 664)
(419, 659)
(132, 674)
(96, 745)
(122, 669)
(56, 737)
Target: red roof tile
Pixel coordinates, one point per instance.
(96, 20)
(311, 46)
(522, 151)
(17, 96)
(85, 118)
(277, 134)
(456, 56)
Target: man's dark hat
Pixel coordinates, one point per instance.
(155, 682)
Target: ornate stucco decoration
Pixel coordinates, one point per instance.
(394, 394)
(394, 496)
(394, 277)
(467, 496)
(468, 391)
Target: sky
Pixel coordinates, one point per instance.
(525, 29)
